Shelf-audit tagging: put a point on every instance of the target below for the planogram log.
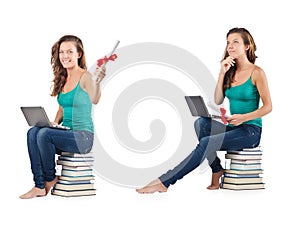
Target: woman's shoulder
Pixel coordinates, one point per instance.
(257, 70)
(258, 74)
(86, 80)
(86, 74)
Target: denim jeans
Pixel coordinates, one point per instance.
(213, 136)
(44, 143)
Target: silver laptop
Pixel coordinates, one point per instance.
(198, 107)
(36, 116)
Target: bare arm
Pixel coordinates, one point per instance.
(219, 95)
(93, 87)
(59, 115)
(225, 66)
(260, 80)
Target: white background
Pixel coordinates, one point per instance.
(28, 31)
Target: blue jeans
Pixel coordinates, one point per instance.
(44, 143)
(213, 136)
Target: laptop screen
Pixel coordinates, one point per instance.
(197, 106)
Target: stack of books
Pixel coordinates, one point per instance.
(244, 171)
(76, 177)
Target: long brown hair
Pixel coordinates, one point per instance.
(60, 73)
(248, 40)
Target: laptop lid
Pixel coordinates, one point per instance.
(36, 116)
(197, 106)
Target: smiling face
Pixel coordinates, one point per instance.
(68, 54)
(235, 45)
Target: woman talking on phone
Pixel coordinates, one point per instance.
(76, 91)
(244, 84)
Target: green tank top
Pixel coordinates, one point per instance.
(77, 109)
(243, 99)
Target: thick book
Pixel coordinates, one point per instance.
(252, 161)
(78, 178)
(76, 159)
(76, 168)
(74, 163)
(243, 152)
(243, 186)
(232, 171)
(74, 173)
(71, 187)
(242, 180)
(239, 166)
(75, 155)
(74, 181)
(241, 175)
(244, 156)
(65, 193)
(251, 151)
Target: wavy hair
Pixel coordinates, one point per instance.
(60, 73)
(248, 40)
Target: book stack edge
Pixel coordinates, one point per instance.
(76, 177)
(244, 171)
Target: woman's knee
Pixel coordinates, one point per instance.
(42, 134)
(197, 124)
(204, 141)
(32, 133)
(201, 122)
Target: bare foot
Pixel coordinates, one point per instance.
(50, 184)
(154, 186)
(215, 180)
(34, 192)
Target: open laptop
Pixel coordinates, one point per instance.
(198, 107)
(36, 116)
